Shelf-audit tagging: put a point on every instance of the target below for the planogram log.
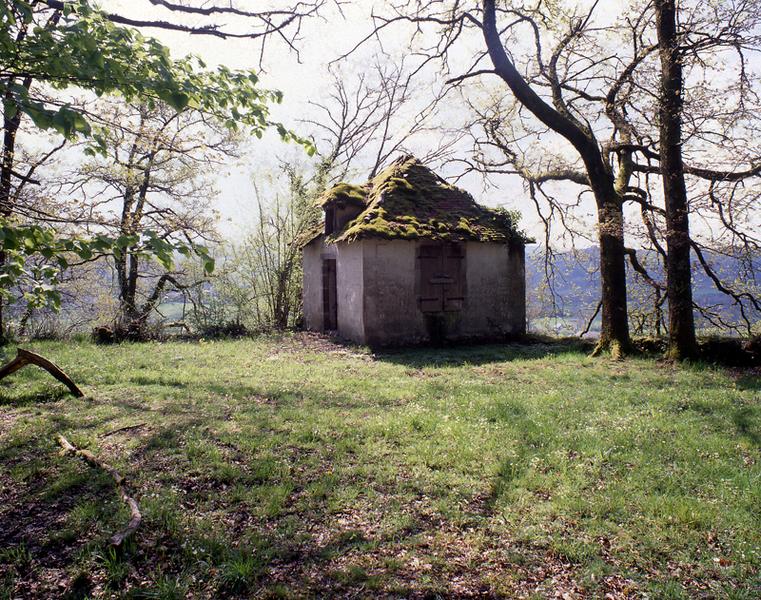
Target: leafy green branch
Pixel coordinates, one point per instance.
(21, 242)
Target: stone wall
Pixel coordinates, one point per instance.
(349, 269)
(391, 311)
(378, 292)
(349, 287)
(312, 285)
(496, 290)
(495, 294)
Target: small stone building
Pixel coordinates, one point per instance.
(409, 258)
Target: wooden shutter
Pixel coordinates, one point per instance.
(454, 269)
(431, 298)
(441, 278)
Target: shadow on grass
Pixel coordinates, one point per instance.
(61, 510)
(45, 488)
(478, 354)
(533, 440)
(721, 416)
(29, 397)
(141, 380)
(749, 382)
(748, 423)
(262, 396)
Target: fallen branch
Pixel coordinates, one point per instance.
(120, 429)
(91, 459)
(25, 357)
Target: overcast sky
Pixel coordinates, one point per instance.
(306, 78)
(302, 79)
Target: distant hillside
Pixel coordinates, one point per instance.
(576, 284)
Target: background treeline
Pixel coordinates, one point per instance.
(256, 287)
(628, 138)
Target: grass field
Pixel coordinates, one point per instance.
(293, 467)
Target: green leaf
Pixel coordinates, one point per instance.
(41, 117)
(178, 101)
(10, 109)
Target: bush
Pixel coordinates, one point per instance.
(731, 352)
(135, 331)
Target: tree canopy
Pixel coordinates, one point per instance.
(50, 49)
(79, 46)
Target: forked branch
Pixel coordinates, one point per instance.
(25, 357)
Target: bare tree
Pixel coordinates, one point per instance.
(717, 116)
(589, 80)
(359, 124)
(221, 19)
(682, 343)
(365, 120)
(271, 253)
(154, 178)
(549, 105)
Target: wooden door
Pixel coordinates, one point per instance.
(441, 277)
(329, 294)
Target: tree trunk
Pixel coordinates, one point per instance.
(682, 342)
(614, 331)
(10, 128)
(614, 334)
(128, 319)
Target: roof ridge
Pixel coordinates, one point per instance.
(408, 200)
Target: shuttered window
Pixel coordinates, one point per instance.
(442, 277)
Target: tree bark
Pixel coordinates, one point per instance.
(10, 128)
(682, 343)
(25, 357)
(614, 334)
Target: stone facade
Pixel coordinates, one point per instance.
(409, 258)
(378, 286)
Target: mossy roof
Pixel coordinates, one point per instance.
(347, 193)
(409, 201)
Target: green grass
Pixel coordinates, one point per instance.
(291, 467)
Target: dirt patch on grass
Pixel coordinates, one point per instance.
(321, 342)
(7, 421)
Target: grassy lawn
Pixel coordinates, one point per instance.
(293, 467)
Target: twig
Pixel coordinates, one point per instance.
(591, 320)
(120, 429)
(119, 480)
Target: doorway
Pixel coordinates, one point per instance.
(329, 295)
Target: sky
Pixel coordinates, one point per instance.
(302, 79)
(306, 78)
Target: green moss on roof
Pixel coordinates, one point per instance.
(344, 192)
(409, 201)
(309, 235)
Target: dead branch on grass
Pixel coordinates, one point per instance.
(135, 517)
(25, 357)
(122, 429)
